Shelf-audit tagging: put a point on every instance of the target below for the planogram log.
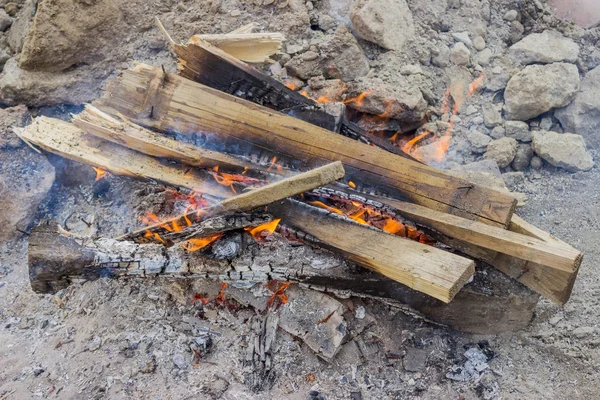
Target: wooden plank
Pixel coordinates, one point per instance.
(67, 140)
(253, 199)
(248, 47)
(489, 237)
(167, 102)
(95, 122)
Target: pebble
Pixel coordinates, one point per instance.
(179, 361)
(309, 56)
(511, 15)
(235, 13)
(411, 69)
(11, 9)
(536, 163)
(95, 343)
(462, 37)
(583, 331)
(498, 132)
(309, 6)
(5, 21)
(360, 312)
(460, 54)
(479, 43)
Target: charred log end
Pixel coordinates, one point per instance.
(54, 257)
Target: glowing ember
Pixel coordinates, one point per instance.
(274, 164)
(290, 85)
(279, 294)
(100, 173)
(228, 180)
(269, 227)
(221, 297)
(200, 243)
(199, 297)
(392, 226)
(352, 184)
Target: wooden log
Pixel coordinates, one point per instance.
(65, 139)
(147, 96)
(252, 199)
(55, 261)
(95, 122)
(204, 63)
(522, 246)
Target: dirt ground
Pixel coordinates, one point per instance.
(130, 338)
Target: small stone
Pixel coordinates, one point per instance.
(536, 163)
(484, 57)
(463, 37)
(498, 79)
(518, 130)
(460, 54)
(498, 132)
(470, 110)
(95, 343)
(294, 48)
(479, 141)
(565, 150)
(546, 47)
(326, 22)
(513, 180)
(11, 9)
(503, 151)
(179, 361)
(411, 69)
(442, 58)
(276, 69)
(479, 43)
(583, 332)
(5, 21)
(235, 13)
(284, 58)
(310, 56)
(309, 6)
(360, 312)
(388, 23)
(511, 15)
(516, 31)
(491, 116)
(523, 157)
(415, 359)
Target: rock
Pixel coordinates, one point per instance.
(536, 163)
(179, 361)
(491, 116)
(583, 331)
(309, 56)
(411, 69)
(540, 88)
(235, 13)
(442, 58)
(326, 22)
(94, 344)
(582, 116)
(518, 130)
(460, 54)
(503, 151)
(516, 32)
(546, 124)
(67, 32)
(483, 58)
(11, 8)
(565, 150)
(463, 37)
(388, 23)
(513, 180)
(546, 47)
(415, 360)
(403, 101)
(497, 80)
(76, 86)
(5, 21)
(523, 157)
(479, 141)
(498, 132)
(479, 43)
(4, 57)
(294, 48)
(20, 26)
(25, 176)
(323, 329)
(511, 15)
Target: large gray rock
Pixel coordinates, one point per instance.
(546, 47)
(540, 88)
(25, 176)
(503, 151)
(388, 23)
(582, 116)
(565, 150)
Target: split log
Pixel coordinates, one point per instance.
(66, 140)
(485, 306)
(151, 98)
(204, 63)
(390, 259)
(248, 47)
(250, 200)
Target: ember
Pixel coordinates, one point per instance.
(258, 232)
(278, 295)
(100, 173)
(200, 243)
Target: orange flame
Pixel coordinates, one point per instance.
(320, 204)
(221, 297)
(279, 294)
(291, 85)
(269, 227)
(100, 173)
(359, 100)
(199, 297)
(228, 180)
(411, 143)
(196, 244)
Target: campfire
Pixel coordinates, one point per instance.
(274, 159)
